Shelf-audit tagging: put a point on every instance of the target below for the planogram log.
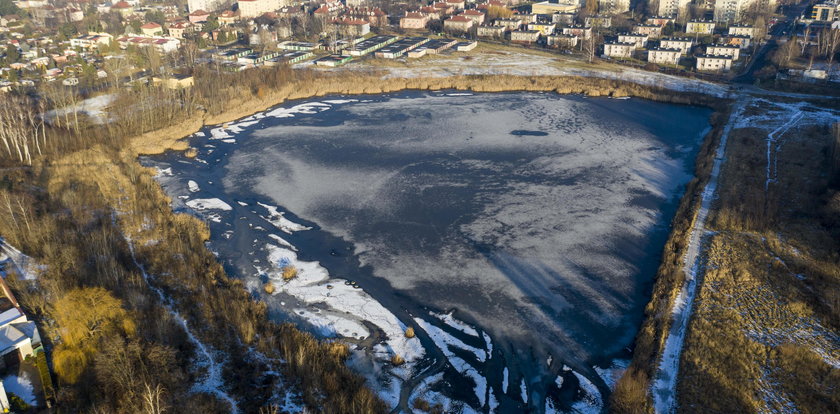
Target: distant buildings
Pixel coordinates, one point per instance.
(681, 43)
(639, 40)
(562, 6)
(613, 6)
(414, 21)
(664, 56)
(734, 10)
(673, 7)
(700, 27)
(724, 50)
(458, 24)
(206, 5)
(709, 63)
(619, 49)
(525, 36)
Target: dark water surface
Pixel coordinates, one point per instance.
(538, 219)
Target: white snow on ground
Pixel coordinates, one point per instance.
(450, 320)
(282, 242)
(613, 373)
(445, 341)
(25, 266)
(193, 186)
(21, 385)
(229, 141)
(200, 134)
(95, 108)
(219, 133)
(163, 172)
(278, 220)
(312, 285)
(306, 108)
(423, 391)
(330, 325)
(591, 400)
(505, 379)
(665, 379)
(340, 101)
(523, 391)
(489, 344)
(202, 204)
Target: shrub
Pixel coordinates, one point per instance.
(397, 360)
(269, 288)
(289, 272)
(409, 333)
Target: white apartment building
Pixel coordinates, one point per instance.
(640, 40)
(249, 9)
(724, 50)
(673, 7)
(664, 56)
(206, 5)
(741, 30)
(684, 44)
(714, 63)
(619, 49)
(733, 10)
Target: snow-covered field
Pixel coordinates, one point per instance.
(562, 194)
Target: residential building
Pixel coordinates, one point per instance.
(684, 44)
(179, 29)
(650, 30)
(174, 81)
(711, 63)
(199, 17)
(563, 18)
(497, 32)
(824, 12)
(458, 24)
(508, 24)
(162, 44)
(561, 6)
(151, 29)
(206, 5)
(228, 18)
(456, 4)
(525, 36)
(700, 27)
(248, 9)
(742, 30)
(673, 7)
(736, 40)
(414, 21)
(579, 31)
(613, 6)
(562, 40)
(619, 49)
(91, 40)
(525, 18)
(660, 20)
(430, 12)
(724, 50)
(664, 56)
(352, 27)
(19, 337)
(598, 21)
(733, 10)
(476, 16)
(123, 8)
(639, 40)
(544, 28)
(373, 15)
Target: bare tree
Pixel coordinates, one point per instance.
(153, 399)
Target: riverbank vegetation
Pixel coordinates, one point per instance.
(181, 334)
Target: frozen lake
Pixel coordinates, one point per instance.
(517, 233)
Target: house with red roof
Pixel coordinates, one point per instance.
(151, 29)
(414, 21)
(458, 24)
(199, 16)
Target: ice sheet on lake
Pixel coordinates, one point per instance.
(202, 204)
(277, 218)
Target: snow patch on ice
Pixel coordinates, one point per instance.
(202, 204)
(277, 218)
(193, 186)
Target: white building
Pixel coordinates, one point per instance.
(91, 40)
(613, 6)
(640, 40)
(664, 56)
(724, 50)
(162, 44)
(619, 49)
(684, 44)
(206, 5)
(742, 30)
(733, 10)
(248, 9)
(713, 63)
(673, 7)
